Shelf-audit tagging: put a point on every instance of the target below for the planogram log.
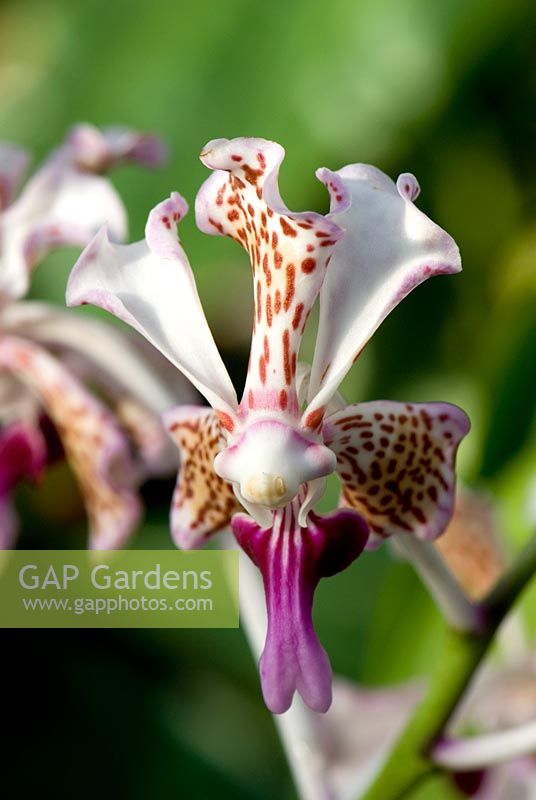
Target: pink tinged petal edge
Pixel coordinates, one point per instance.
(389, 248)
(289, 253)
(292, 560)
(14, 162)
(202, 503)
(150, 286)
(22, 455)
(99, 150)
(396, 464)
(59, 207)
(66, 201)
(94, 444)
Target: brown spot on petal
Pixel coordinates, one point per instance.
(308, 265)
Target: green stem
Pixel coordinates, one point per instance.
(408, 763)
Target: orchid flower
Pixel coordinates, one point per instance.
(498, 762)
(500, 706)
(350, 755)
(271, 453)
(47, 356)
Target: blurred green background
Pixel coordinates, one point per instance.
(445, 90)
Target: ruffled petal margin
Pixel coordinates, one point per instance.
(150, 286)
(389, 248)
(289, 254)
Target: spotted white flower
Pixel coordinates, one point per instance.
(271, 453)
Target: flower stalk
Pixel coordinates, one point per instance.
(410, 761)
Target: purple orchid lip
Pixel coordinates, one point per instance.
(292, 560)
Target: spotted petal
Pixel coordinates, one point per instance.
(292, 560)
(13, 164)
(93, 442)
(110, 359)
(150, 286)
(22, 455)
(389, 248)
(203, 503)
(289, 253)
(396, 464)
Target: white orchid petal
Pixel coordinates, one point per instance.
(150, 286)
(486, 750)
(58, 207)
(66, 201)
(389, 248)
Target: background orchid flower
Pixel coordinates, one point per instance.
(65, 201)
(471, 544)
(22, 455)
(271, 452)
(496, 759)
(47, 356)
(348, 753)
(496, 762)
(352, 752)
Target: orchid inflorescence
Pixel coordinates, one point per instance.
(72, 385)
(49, 358)
(261, 464)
